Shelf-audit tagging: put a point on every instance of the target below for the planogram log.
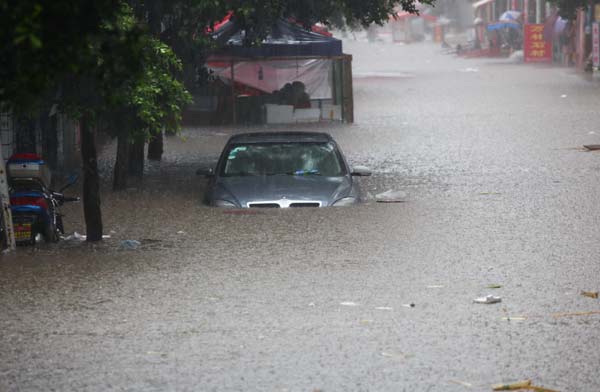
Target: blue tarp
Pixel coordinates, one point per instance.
(285, 40)
(502, 25)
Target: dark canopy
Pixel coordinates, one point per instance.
(285, 40)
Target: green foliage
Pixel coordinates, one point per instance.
(103, 58)
(156, 98)
(41, 41)
(186, 21)
(131, 85)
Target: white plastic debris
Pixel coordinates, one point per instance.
(488, 299)
(383, 308)
(564, 96)
(130, 244)
(75, 237)
(391, 196)
(81, 237)
(517, 56)
(348, 303)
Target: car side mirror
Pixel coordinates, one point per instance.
(205, 172)
(360, 171)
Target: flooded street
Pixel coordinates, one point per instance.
(499, 191)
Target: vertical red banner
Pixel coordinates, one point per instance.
(535, 48)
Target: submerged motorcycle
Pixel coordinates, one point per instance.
(34, 206)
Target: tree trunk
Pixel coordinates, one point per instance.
(91, 181)
(136, 158)
(121, 163)
(155, 147)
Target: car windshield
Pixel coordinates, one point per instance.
(269, 159)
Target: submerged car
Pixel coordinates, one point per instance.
(281, 170)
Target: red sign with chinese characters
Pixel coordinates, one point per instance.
(535, 48)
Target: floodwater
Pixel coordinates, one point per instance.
(498, 192)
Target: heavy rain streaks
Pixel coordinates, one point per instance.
(497, 191)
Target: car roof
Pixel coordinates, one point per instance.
(278, 137)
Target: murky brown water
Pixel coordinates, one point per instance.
(498, 192)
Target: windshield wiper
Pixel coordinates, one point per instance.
(313, 172)
(296, 173)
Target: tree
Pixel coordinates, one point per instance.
(107, 68)
(41, 41)
(99, 58)
(154, 101)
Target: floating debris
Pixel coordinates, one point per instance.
(81, 237)
(512, 386)
(391, 196)
(591, 294)
(463, 383)
(130, 244)
(514, 318)
(489, 299)
(592, 147)
(559, 315)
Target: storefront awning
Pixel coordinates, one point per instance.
(482, 2)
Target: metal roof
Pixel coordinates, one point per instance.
(284, 40)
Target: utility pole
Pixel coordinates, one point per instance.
(9, 233)
(538, 11)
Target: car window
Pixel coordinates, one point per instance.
(262, 159)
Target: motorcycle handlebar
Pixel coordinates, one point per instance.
(62, 198)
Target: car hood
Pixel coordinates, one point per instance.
(282, 189)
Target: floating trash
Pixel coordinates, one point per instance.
(81, 237)
(463, 383)
(592, 147)
(130, 244)
(512, 386)
(391, 196)
(590, 294)
(489, 299)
